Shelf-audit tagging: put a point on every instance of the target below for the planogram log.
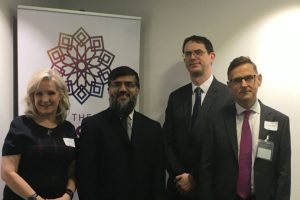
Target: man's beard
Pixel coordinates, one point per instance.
(123, 109)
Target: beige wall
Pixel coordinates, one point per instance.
(265, 30)
(6, 68)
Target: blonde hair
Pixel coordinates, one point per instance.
(32, 87)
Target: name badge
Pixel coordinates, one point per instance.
(272, 126)
(265, 149)
(69, 142)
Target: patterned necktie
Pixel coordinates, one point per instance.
(197, 104)
(245, 159)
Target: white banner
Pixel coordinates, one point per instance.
(84, 47)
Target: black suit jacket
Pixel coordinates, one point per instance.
(110, 167)
(271, 178)
(183, 143)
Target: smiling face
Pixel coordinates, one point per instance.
(244, 83)
(46, 99)
(123, 92)
(200, 61)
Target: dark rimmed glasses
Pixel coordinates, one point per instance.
(127, 84)
(249, 79)
(196, 53)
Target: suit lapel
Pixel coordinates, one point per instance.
(135, 126)
(230, 124)
(265, 115)
(187, 105)
(119, 129)
(209, 98)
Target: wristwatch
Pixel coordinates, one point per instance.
(33, 197)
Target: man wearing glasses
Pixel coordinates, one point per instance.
(185, 118)
(121, 151)
(250, 142)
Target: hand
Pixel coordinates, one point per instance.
(184, 183)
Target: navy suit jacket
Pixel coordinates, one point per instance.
(272, 179)
(183, 143)
(111, 167)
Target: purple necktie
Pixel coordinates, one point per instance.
(245, 159)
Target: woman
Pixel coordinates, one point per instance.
(38, 154)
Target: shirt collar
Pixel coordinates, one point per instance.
(131, 114)
(204, 86)
(255, 108)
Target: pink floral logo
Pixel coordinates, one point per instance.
(83, 62)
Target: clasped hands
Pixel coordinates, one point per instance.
(184, 183)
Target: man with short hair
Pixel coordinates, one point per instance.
(121, 153)
(185, 119)
(250, 142)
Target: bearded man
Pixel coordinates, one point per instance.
(121, 151)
